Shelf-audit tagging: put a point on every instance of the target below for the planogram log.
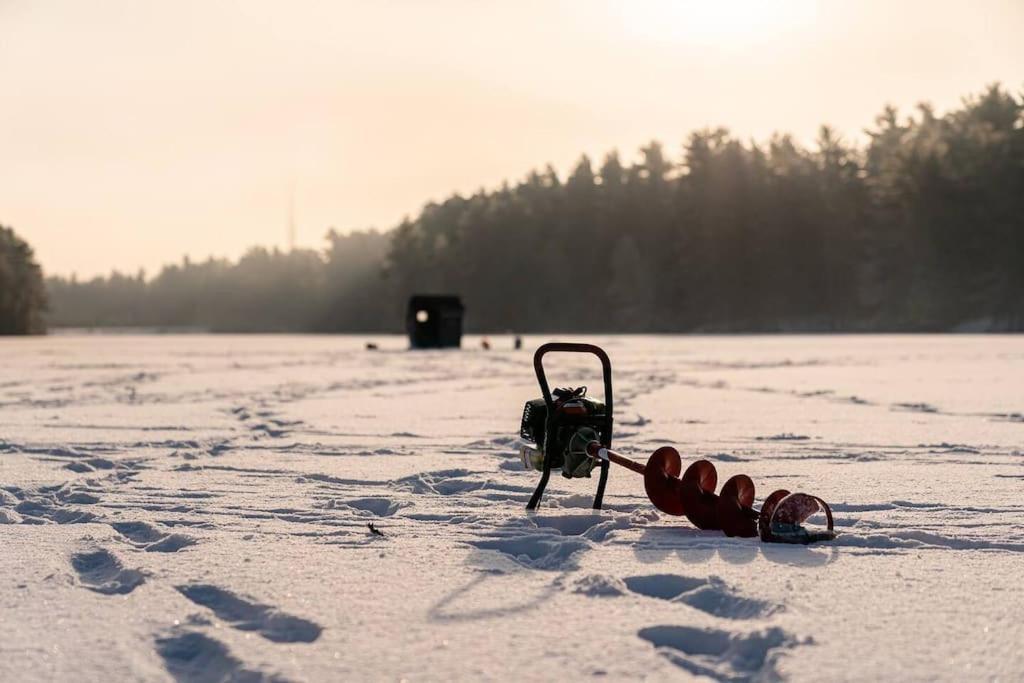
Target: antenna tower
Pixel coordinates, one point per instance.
(291, 219)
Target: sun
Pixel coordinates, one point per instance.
(724, 23)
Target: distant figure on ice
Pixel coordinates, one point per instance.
(485, 344)
(518, 343)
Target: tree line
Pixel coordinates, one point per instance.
(919, 228)
(22, 291)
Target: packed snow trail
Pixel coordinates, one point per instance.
(197, 508)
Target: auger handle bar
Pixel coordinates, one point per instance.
(606, 433)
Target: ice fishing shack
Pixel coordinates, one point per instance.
(434, 322)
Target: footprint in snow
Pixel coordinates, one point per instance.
(721, 655)
(442, 482)
(45, 508)
(196, 658)
(599, 586)
(147, 537)
(101, 571)
(90, 465)
(246, 615)
(48, 504)
(595, 527)
(270, 425)
(380, 507)
(555, 539)
(537, 551)
(915, 407)
(711, 595)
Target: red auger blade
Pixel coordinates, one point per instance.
(699, 499)
(736, 511)
(661, 474)
(661, 480)
(767, 510)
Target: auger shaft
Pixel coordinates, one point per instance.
(598, 452)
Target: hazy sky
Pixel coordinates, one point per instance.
(134, 132)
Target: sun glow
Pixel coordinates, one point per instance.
(721, 23)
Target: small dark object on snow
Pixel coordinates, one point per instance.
(485, 344)
(518, 343)
(374, 530)
(370, 346)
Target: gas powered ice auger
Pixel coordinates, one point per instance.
(574, 432)
(563, 422)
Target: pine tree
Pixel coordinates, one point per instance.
(22, 291)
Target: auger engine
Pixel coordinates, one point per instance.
(557, 427)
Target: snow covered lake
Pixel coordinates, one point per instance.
(196, 508)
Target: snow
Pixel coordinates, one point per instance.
(197, 508)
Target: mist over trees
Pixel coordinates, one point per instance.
(22, 291)
(920, 229)
(338, 289)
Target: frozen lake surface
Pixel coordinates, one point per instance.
(196, 508)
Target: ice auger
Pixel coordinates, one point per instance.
(570, 430)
